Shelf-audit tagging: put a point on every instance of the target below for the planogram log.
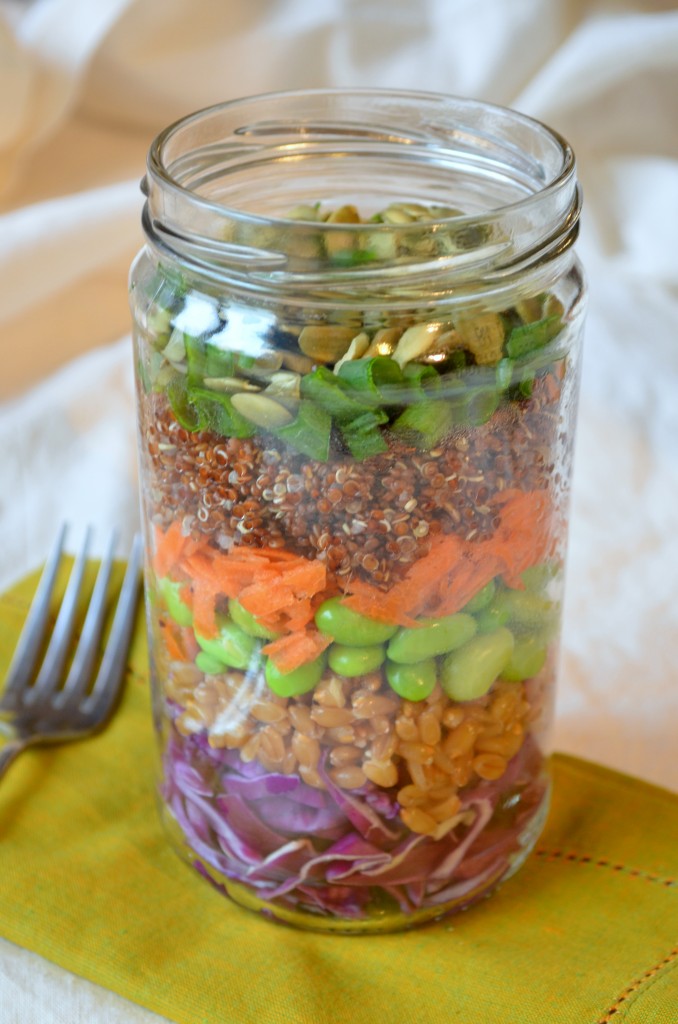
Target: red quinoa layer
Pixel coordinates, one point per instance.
(373, 518)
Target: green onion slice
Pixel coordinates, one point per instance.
(326, 389)
(205, 360)
(310, 432)
(190, 416)
(420, 374)
(362, 436)
(427, 423)
(219, 413)
(530, 337)
(369, 376)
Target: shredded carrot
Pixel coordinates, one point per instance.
(169, 547)
(266, 554)
(474, 570)
(300, 581)
(204, 610)
(377, 604)
(299, 615)
(523, 535)
(445, 579)
(423, 581)
(172, 645)
(283, 590)
(295, 649)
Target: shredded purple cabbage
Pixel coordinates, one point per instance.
(330, 851)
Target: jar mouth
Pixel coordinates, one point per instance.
(223, 183)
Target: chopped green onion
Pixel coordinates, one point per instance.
(357, 423)
(352, 257)
(219, 413)
(418, 374)
(205, 360)
(369, 376)
(504, 374)
(481, 406)
(190, 416)
(426, 423)
(530, 337)
(362, 436)
(327, 390)
(310, 432)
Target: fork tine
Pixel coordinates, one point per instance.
(51, 669)
(107, 685)
(28, 646)
(81, 668)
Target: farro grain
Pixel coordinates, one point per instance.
(445, 810)
(460, 741)
(311, 777)
(350, 776)
(419, 753)
(489, 766)
(383, 774)
(429, 729)
(332, 718)
(344, 754)
(306, 750)
(418, 821)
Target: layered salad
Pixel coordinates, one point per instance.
(355, 532)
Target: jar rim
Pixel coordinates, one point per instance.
(199, 228)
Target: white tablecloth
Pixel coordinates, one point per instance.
(84, 86)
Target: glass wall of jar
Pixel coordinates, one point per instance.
(357, 326)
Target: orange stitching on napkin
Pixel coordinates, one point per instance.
(601, 862)
(633, 988)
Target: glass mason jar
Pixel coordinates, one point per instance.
(357, 327)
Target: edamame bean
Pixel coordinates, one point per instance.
(537, 577)
(355, 661)
(481, 599)
(299, 680)
(412, 682)
(524, 610)
(209, 665)
(249, 622)
(470, 671)
(433, 637)
(232, 646)
(528, 658)
(351, 628)
(493, 616)
(177, 609)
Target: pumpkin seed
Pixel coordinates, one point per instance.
(383, 245)
(530, 309)
(553, 306)
(305, 212)
(230, 384)
(175, 349)
(344, 215)
(384, 342)
(297, 363)
(325, 343)
(483, 335)
(415, 342)
(394, 214)
(261, 410)
(356, 350)
(341, 241)
(285, 383)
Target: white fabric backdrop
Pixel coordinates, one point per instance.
(86, 84)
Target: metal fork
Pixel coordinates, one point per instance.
(37, 708)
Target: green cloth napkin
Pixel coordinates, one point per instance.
(585, 933)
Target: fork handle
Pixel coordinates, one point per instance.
(9, 752)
